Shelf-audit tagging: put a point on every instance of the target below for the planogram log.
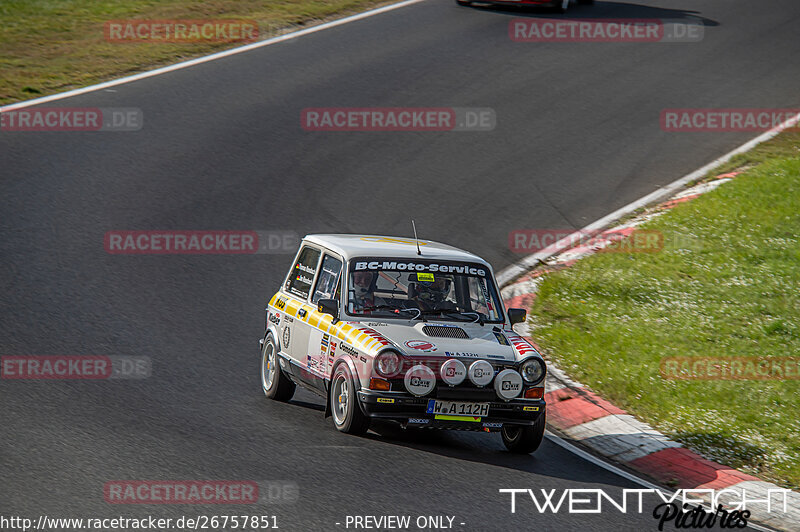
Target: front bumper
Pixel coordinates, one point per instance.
(412, 411)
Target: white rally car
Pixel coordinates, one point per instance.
(402, 330)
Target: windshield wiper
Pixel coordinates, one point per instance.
(479, 317)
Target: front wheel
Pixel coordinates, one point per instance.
(347, 414)
(524, 440)
(275, 384)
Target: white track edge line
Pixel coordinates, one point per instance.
(621, 472)
(207, 58)
(510, 273)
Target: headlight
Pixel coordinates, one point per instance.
(387, 364)
(532, 370)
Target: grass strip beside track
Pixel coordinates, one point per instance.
(51, 46)
(726, 283)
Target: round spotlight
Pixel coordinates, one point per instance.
(480, 373)
(453, 372)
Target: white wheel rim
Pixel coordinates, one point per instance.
(340, 399)
(270, 366)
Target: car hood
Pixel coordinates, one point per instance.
(426, 339)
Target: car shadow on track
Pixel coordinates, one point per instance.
(549, 460)
(602, 10)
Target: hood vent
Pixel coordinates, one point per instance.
(439, 331)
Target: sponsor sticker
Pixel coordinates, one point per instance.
(287, 336)
(323, 347)
(349, 350)
(421, 345)
(420, 266)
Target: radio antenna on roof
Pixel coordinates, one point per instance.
(414, 226)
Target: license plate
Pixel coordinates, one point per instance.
(456, 408)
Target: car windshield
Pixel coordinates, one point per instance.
(420, 289)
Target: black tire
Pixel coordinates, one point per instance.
(524, 440)
(346, 413)
(586, 2)
(464, 2)
(279, 387)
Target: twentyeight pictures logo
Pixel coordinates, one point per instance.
(685, 508)
(605, 30)
(181, 31)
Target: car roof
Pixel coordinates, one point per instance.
(351, 246)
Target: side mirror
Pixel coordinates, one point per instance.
(517, 315)
(329, 306)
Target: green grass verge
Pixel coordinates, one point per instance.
(726, 283)
(49, 46)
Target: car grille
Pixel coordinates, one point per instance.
(439, 331)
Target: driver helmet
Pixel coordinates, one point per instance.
(433, 292)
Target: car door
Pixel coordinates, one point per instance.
(301, 278)
(321, 345)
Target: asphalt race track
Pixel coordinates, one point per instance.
(577, 137)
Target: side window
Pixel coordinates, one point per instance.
(328, 279)
(302, 275)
